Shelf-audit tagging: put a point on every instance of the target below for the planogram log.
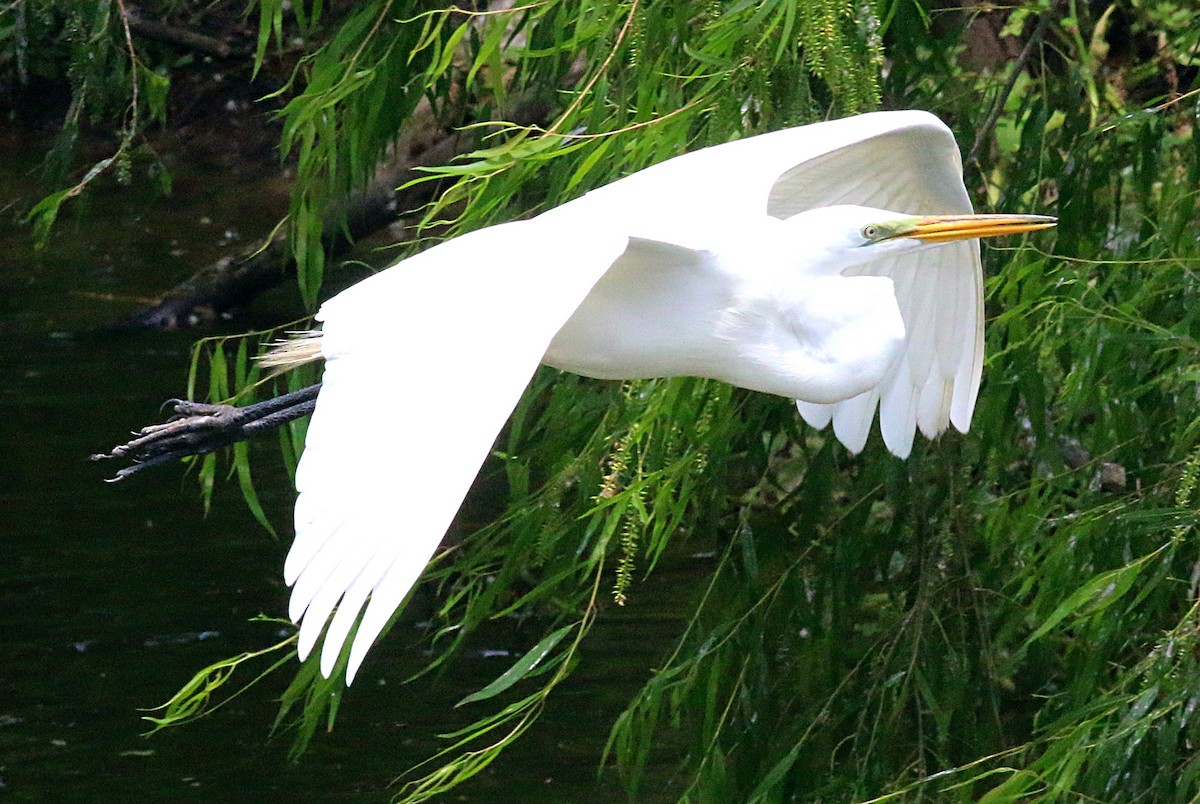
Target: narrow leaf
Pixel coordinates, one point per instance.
(520, 669)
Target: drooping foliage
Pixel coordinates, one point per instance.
(88, 44)
(1009, 615)
(597, 70)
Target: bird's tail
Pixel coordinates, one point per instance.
(301, 348)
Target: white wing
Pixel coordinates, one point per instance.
(902, 161)
(424, 363)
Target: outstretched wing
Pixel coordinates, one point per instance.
(424, 363)
(901, 161)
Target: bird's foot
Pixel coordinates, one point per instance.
(194, 428)
(197, 428)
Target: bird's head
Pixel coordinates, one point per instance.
(835, 238)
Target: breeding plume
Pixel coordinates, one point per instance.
(835, 264)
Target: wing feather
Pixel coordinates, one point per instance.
(933, 406)
(898, 410)
(970, 365)
(852, 419)
(413, 397)
(818, 416)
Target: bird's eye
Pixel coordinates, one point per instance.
(870, 231)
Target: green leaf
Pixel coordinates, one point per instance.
(241, 463)
(589, 162)
(450, 48)
(1092, 598)
(523, 667)
(771, 779)
(44, 214)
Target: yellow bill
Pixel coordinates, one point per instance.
(946, 228)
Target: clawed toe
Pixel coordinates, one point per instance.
(196, 428)
(184, 408)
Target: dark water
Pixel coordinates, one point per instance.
(112, 596)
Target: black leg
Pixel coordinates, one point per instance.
(197, 428)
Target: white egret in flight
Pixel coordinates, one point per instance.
(835, 264)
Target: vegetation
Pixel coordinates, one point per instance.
(1010, 615)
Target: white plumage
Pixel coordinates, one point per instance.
(737, 262)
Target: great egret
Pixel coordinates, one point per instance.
(771, 262)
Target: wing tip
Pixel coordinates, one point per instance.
(899, 443)
(852, 420)
(815, 415)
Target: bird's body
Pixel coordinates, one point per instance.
(739, 310)
(835, 264)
